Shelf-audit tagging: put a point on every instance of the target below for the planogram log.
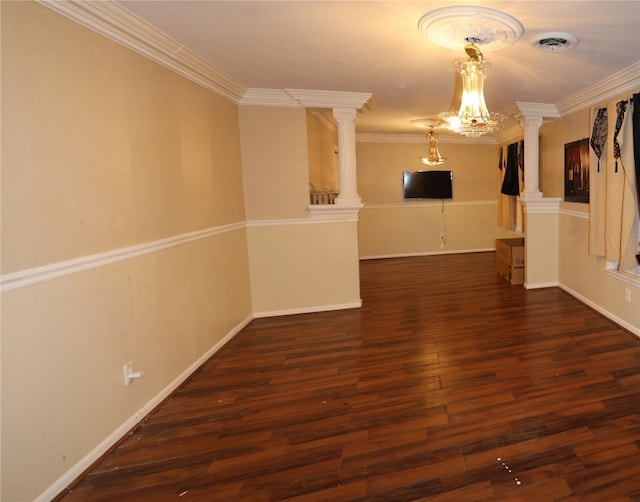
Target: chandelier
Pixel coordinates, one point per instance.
(467, 26)
(433, 158)
(472, 119)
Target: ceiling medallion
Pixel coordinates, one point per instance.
(453, 27)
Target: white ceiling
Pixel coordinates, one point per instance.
(376, 47)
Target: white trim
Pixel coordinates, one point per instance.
(524, 109)
(117, 23)
(546, 205)
(333, 99)
(432, 204)
(268, 97)
(327, 120)
(630, 327)
(35, 275)
(426, 253)
(624, 276)
(72, 474)
(420, 138)
(575, 214)
(308, 310)
(513, 133)
(335, 212)
(541, 285)
(623, 81)
(297, 221)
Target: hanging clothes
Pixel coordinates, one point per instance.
(521, 158)
(599, 134)
(598, 184)
(614, 191)
(507, 204)
(629, 245)
(510, 184)
(636, 139)
(621, 108)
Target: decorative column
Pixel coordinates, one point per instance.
(531, 117)
(348, 196)
(531, 126)
(345, 106)
(541, 214)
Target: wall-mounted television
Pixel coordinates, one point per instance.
(428, 185)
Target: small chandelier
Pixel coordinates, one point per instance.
(434, 158)
(472, 119)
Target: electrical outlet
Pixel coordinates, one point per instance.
(627, 295)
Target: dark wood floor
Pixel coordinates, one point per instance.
(448, 384)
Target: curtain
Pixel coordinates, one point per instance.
(629, 205)
(597, 183)
(635, 114)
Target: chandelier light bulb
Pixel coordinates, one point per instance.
(473, 119)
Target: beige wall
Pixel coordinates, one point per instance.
(322, 143)
(392, 226)
(581, 274)
(103, 150)
(304, 267)
(275, 162)
(287, 248)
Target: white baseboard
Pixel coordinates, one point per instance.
(629, 327)
(72, 474)
(541, 285)
(426, 253)
(308, 310)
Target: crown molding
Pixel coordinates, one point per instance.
(623, 81)
(325, 119)
(117, 23)
(420, 138)
(268, 97)
(522, 109)
(514, 133)
(303, 98)
(362, 101)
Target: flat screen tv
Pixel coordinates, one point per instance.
(428, 185)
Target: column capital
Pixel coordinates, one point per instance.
(529, 122)
(344, 113)
(333, 99)
(531, 117)
(521, 109)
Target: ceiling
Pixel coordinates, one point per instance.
(376, 47)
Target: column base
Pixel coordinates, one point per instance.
(348, 201)
(531, 195)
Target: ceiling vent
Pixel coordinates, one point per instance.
(555, 41)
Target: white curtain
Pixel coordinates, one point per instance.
(629, 217)
(615, 187)
(597, 195)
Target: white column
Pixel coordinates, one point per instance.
(541, 214)
(531, 126)
(346, 118)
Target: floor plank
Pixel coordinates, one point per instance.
(448, 384)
